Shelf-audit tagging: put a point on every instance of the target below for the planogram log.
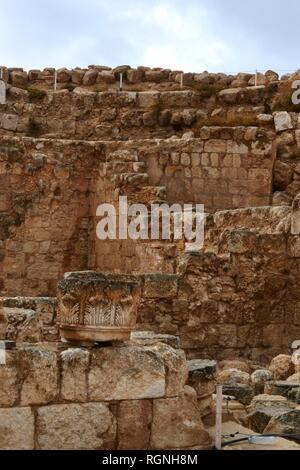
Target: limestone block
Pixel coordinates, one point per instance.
(156, 76)
(283, 121)
(40, 375)
(233, 376)
(64, 75)
(202, 376)
(9, 122)
(89, 426)
(105, 77)
(135, 76)
(173, 99)
(16, 429)
(147, 99)
(282, 367)
(215, 146)
(126, 373)
(77, 76)
(160, 286)
(134, 424)
(9, 379)
(287, 423)
(75, 364)
(90, 77)
(22, 324)
(177, 423)
(176, 369)
(18, 78)
(230, 95)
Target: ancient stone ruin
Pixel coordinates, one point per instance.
(175, 322)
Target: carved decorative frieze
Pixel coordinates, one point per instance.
(97, 308)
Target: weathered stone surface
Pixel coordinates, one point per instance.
(202, 377)
(160, 286)
(16, 429)
(264, 408)
(148, 338)
(287, 423)
(282, 367)
(234, 376)
(90, 77)
(282, 121)
(134, 424)
(259, 379)
(9, 122)
(18, 78)
(129, 373)
(241, 392)
(9, 380)
(176, 369)
(89, 426)
(39, 369)
(75, 363)
(282, 388)
(176, 423)
(239, 365)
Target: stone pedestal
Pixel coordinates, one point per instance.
(130, 396)
(97, 308)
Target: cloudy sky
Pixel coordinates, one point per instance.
(189, 35)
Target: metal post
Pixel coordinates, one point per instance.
(181, 81)
(219, 409)
(1, 73)
(55, 80)
(121, 81)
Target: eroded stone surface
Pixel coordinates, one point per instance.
(16, 429)
(75, 427)
(39, 370)
(176, 423)
(126, 373)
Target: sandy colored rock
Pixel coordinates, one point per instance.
(259, 379)
(233, 376)
(75, 364)
(264, 408)
(134, 424)
(9, 380)
(294, 379)
(16, 429)
(176, 423)
(282, 367)
(240, 365)
(126, 373)
(40, 376)
(283, 121)
(75, 427)
(176, 369)
(287, 423)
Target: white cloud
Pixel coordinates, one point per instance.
(179, 36)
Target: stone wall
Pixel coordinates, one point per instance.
(44, 211)
(129, 397)
(239, 297)
(51, 189)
